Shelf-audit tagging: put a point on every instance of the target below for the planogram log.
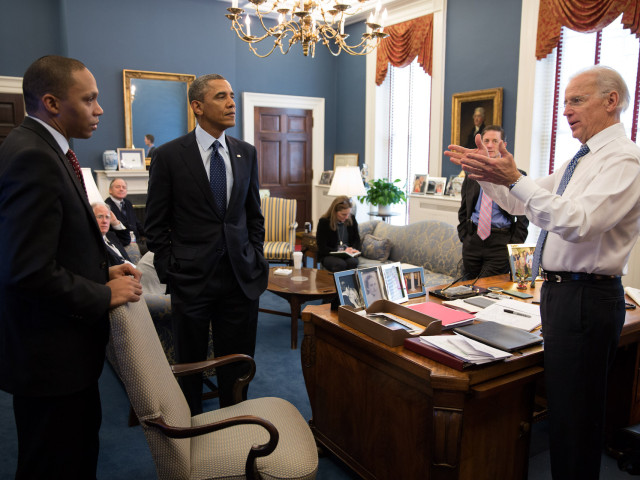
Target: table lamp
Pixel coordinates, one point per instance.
(92, 189)
(347, 181)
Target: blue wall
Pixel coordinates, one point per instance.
(193, 36)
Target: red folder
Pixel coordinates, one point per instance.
(414, 344)
(448, 316)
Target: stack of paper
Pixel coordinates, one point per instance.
(460, 304)
(465, 349)
(634, 294)
(282, 271)
(513, 313)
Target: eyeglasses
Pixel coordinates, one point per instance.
(100, 217)
(577, 101)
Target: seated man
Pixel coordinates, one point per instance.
(485, 238)
(117, 253)
(124, 220)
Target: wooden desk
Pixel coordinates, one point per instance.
(390, 413)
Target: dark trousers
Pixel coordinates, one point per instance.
(58, 436)
(233, 318)
(581, 325)
(337, 264)
(486, 257)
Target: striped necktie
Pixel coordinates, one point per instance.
(484, 220)
(73, 160)
(568, 173)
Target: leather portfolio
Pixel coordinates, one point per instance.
(499, 336)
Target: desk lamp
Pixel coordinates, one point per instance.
(347, 181)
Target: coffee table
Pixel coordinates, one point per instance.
(300, 286)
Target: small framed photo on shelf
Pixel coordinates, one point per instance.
(345, 160)
(419, 184)
(326, 177)
(521, 261)
(372, 285)
(347, 288)
(439, 185)
(131, 159)
(414, 281)
(394, 282)
(455, 184)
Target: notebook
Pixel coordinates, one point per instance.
(499, 336)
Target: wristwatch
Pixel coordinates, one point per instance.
(516, 182)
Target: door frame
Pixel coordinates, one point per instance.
(250, 100)
(10, 84)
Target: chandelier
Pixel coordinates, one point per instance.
(308, 22)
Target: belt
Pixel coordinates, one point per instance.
(493, 229)
(559, 277)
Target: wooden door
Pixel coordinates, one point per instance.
(11, 113)
(283, 141)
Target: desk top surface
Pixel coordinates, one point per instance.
(440, 374)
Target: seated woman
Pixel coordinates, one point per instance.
(338, 231)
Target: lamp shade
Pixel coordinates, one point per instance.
(347, 181)
(92, 189)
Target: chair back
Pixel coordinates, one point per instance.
(151, 386)
(280, 228)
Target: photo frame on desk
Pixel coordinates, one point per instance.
(419, 184)
(396, 290)
(345, 160)
(372, 285)
(455, 184)
(521, 260)
(326, 177)
(131, 159)
(414, 281)
(348, 288)
(440, 183)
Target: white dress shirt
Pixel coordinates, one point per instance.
(205, 144)
(594, 225)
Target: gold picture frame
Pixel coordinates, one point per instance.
(463, 106)
(345, 160)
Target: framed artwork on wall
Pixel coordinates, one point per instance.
(345, 160)
(464, 104)
(131, 159)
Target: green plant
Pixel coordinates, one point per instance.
(383, 192)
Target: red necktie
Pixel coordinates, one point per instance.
(484, 221)
(73, 160)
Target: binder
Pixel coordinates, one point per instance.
(448, 316)
(415, 345)
(499, 336)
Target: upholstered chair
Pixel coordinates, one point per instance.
(280, 229)
(263, 438)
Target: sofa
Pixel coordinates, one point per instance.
(430, 244)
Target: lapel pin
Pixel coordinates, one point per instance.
(238, 155)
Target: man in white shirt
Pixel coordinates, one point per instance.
(592, 226)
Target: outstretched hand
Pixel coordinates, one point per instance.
(479, 166)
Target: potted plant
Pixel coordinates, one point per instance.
(383, 193)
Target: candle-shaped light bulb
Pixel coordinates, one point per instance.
(342, 27)
(247, 22)
(234, 3)
(378, 8)
(383, 21)
(369, 21)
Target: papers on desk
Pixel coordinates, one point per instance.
(513, 313)
(282, 271)
(466, 349)
(448, 316)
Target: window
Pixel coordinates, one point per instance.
(614, 46)
(402, 126)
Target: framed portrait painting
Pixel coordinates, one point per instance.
(463, 107)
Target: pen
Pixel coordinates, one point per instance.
(516, 313)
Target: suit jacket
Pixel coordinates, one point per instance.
(470, 192)
(184, 229)
(113, 258)
(53, 298)
(131, 221)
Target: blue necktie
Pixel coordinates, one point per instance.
(537, 256)
(218, 179)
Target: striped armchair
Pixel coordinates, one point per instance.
(280, 229)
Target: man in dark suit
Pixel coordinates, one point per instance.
(55, 285)
(124, 222)
(117, 254)
(148, 141)
(487, 256)
(205, 226)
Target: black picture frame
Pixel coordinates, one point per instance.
(348, 288)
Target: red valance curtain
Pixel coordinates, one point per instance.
(582, 16)
(406, 41)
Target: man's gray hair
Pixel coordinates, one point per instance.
(480, 110)
(200, 85)
(609, 80)
(117, 178)
(100, 204)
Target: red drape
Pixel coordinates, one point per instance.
(582, 16)
(406, 41)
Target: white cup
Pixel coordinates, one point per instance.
(297, 260)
